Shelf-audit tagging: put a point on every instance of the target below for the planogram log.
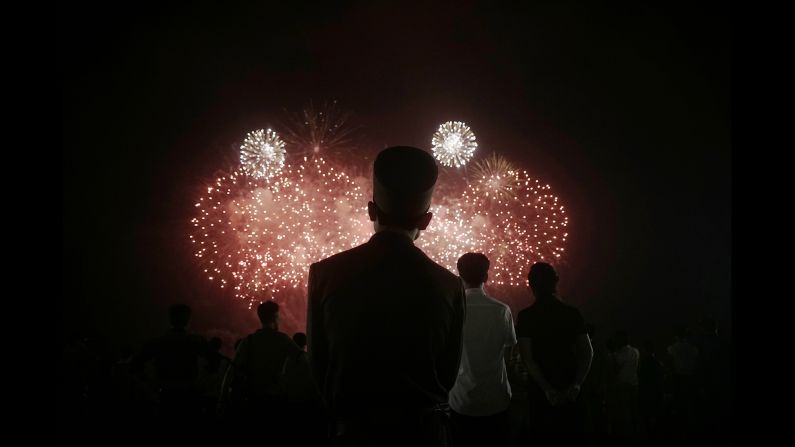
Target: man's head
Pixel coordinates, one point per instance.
(179, 315)
(268, 313)
(403, 182)
(473, 269)
(300, 339)
(543, 280)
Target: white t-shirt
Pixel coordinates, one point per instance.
(482, 387)
(627, 359)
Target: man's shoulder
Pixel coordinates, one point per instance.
(496, 303)
(338, 260)
(525, 313)
(442, 274)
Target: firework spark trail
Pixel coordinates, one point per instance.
(319, 130)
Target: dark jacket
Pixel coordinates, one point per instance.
(384, 327)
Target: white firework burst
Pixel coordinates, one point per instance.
(453, 144)
(262, 154)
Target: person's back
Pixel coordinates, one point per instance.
(385, 321)
(556, 348)
(625, 420)
(627, 358)
(175, 356)
(482, 394)
(482, 386)
(388, 310)
(554, 327)
(262, 356)
(260, 361)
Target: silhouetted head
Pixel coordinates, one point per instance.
(621, 338)
(268, 313)
(300, 339)
(403, 181)
(648, 347)
(179, 316)
(215, 344)
(473, 269)
(543, 280)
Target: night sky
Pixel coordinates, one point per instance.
(623, 110)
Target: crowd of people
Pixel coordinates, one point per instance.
(399, 351)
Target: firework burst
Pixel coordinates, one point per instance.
(262, 154)
(453, 144)
(518, 229)
(259, 238)
(497, 177)
(322, 130)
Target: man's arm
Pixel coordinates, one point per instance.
(450, 358)
(510, 337)
(526, 349)
(583, 350)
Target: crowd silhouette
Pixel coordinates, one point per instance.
(399, 351)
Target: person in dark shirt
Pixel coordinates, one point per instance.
(306, 410)
(557, 351)
(651, 382)
(256, 385)
(385, 322)
(176, 360)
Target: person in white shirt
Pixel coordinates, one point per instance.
(625, 419)
(627, 358)
(480, 398)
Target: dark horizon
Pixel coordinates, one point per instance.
(625, 111)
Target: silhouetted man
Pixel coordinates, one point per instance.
(211, 376)
(300, 339)
(482, 394)
(385, 321)
(651, 382)
(256, 381)
(176, 355)
(306, 410)
(626, 356)
(557, 351)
